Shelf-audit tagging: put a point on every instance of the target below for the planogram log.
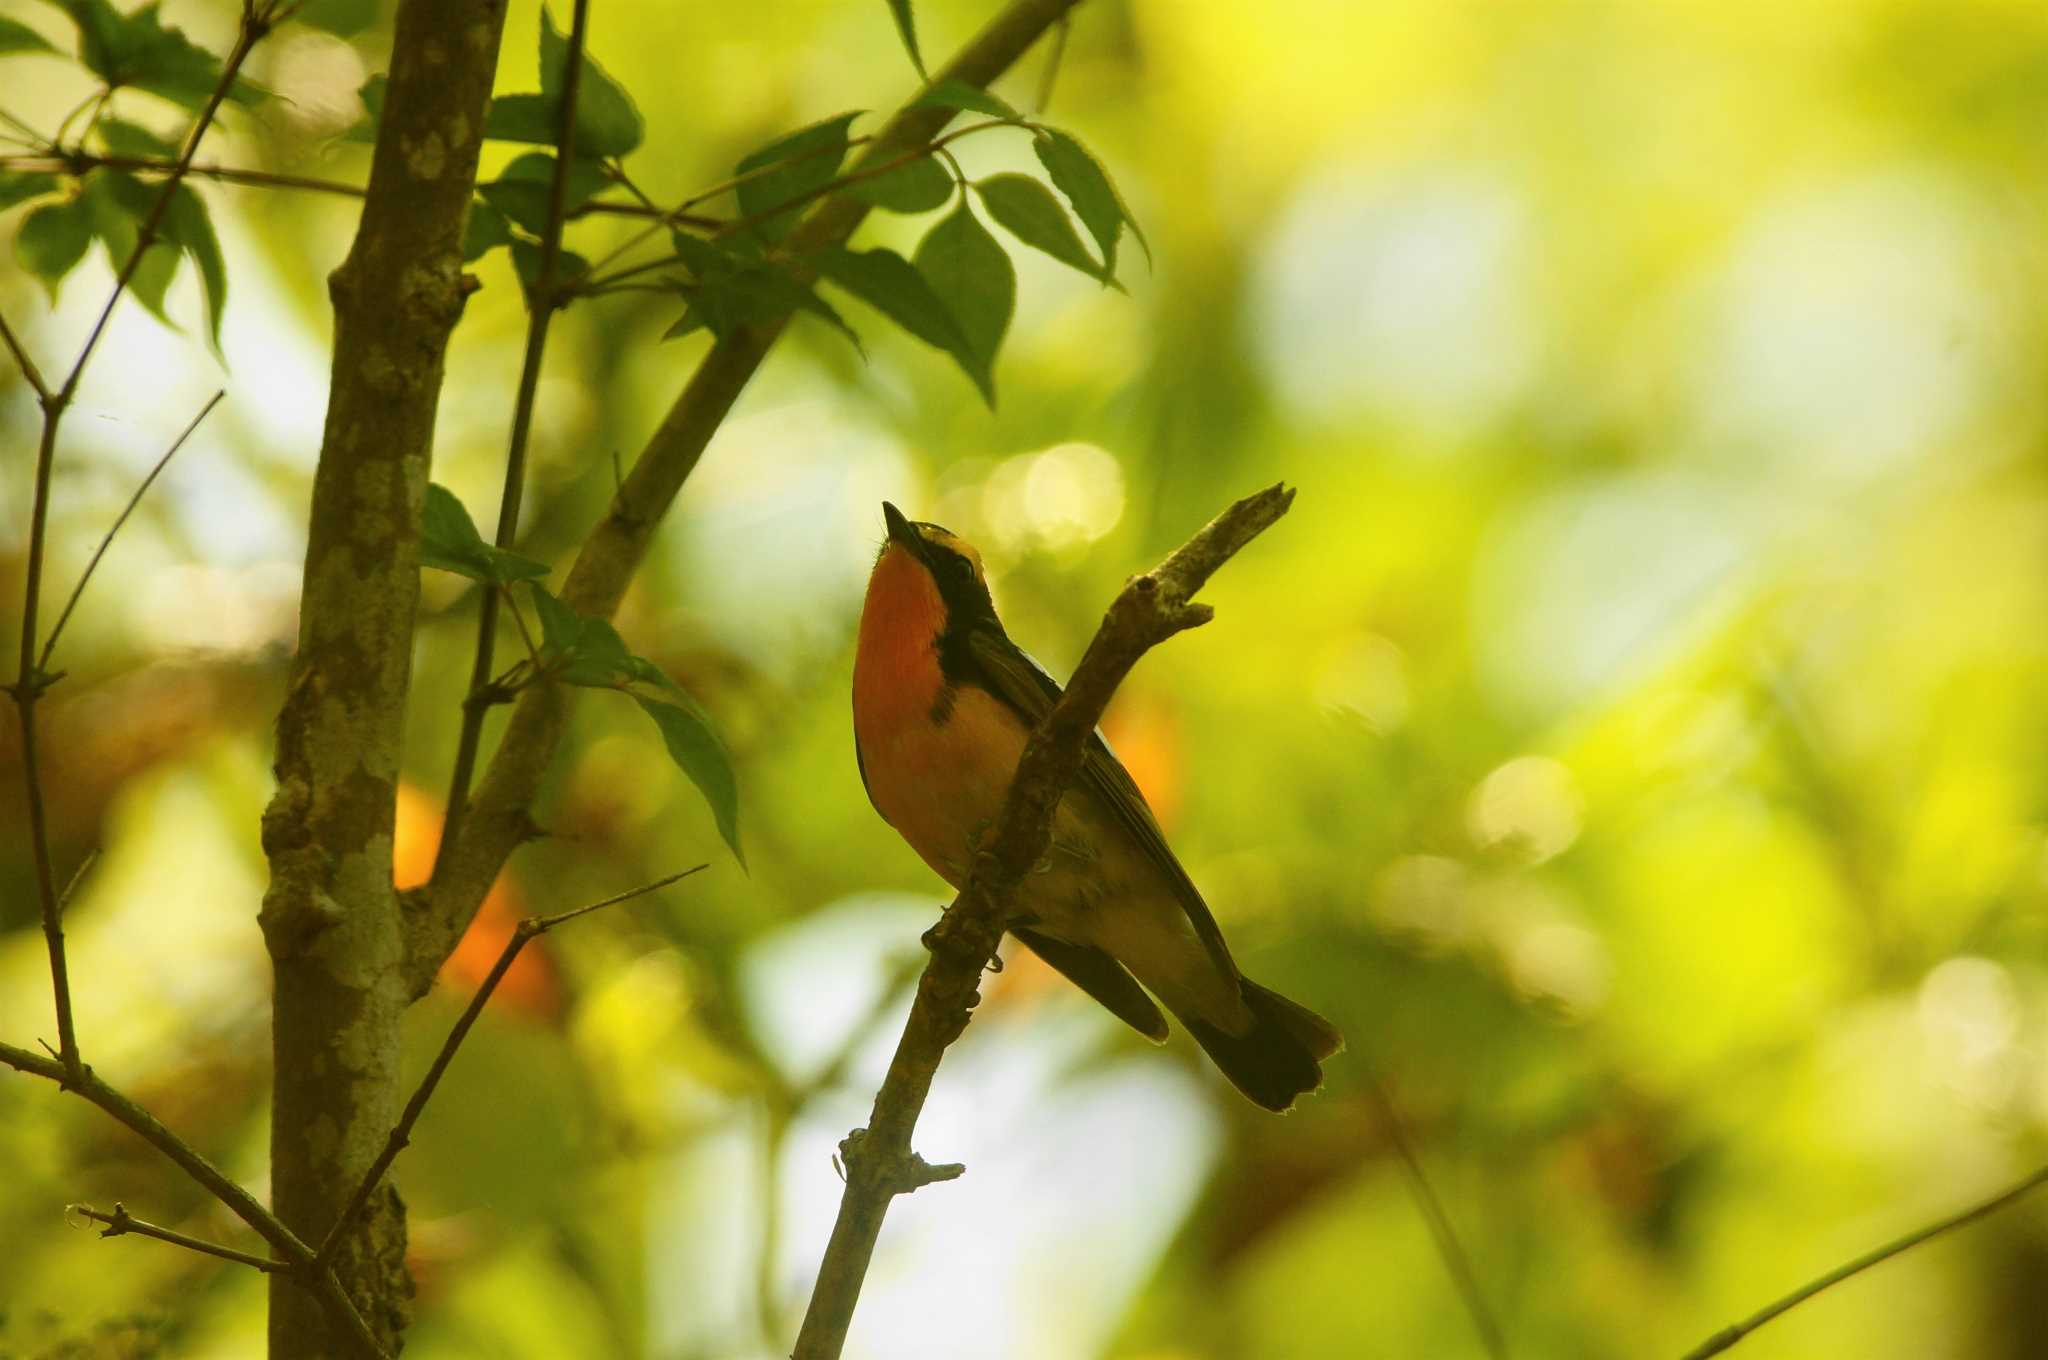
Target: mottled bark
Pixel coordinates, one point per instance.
(331, 918)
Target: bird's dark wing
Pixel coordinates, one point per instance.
(1103, 978)
(1020, 682)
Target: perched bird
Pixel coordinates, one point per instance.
(943, 703)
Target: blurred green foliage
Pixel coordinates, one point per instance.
(1632, 739)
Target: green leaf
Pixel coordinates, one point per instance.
(53, 239)
(803, 162)
(449, 541)
(973, 276)
(138, 51)
(485, 231)
(152, 279)
(16, 36)
(187, 226)
(579, 649)
(892, 286)
(1079, 176)
(526, 263)
(18, 186)
(913, 187)
(521, 118)
(958, 94)
(521, 191)
(607, 123)
(123, 138)
(729, 290)
(906, 27)
(343, 18)
(1028, 211)
(694, 746)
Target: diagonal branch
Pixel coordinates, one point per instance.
(401, 1132)
(1728, 1336)
(121, 1222)
(500, 818)
(879, 1163)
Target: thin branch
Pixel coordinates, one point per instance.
(50, 643)
(401, 1132)
(84, 162)
(1455, 1259)
(879, 1162)
(540, 311)
(121, 1222)
(29, 371)
(1728, 1336)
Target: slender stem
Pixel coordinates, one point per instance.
(64, 617)
(879, 1162)
(1455, 1259)
(401, 1132)
(1728, 1336)
(84, 162)
(29, 371)
(540, 311)
(121, 1222)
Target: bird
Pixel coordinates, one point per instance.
(943, 703)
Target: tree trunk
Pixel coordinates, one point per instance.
(331, 919)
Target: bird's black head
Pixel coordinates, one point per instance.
(953, 563)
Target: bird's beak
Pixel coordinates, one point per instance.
(901, 530)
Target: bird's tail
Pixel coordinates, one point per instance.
(1279, 1057)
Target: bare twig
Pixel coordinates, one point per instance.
(63, 617)
(85, 162)
(1455, 1259)
(29, 371)
(540, 311)
(401, 1132)
(121, 1222)
(1728, 1336)
(879, 1162)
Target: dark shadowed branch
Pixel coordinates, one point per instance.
(120, 1223)
(1728, 1336)
(879, 1162)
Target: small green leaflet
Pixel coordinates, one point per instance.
(906, 26)
(607, 123)
(449, 541)
(485, 231)
(19, 186)
(121, 203)
(521, 191)
(1079, 176)
(569, 268)
(372, 94)
(959, 95)
(53, 239)
(913, 187)
(16, 36)
(1028, 211)
(893, 286)
(791, 168)
(137, 51)
(973, 276)
(187, 227)
(586, 651)
(123, 138)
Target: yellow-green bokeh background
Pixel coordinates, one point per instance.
(1633, 739)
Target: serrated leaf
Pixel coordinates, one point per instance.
(123, 138)
(19, 186)
(803, 162)
(372, 95)
(52, 240)
(958, 94)
(138, 51)
(16, 36)
(729, 290)
(906, 28)
(485, 231)
(1028, 211)
(913, 187)
(578, 649)
(892, 286)
(697, 751)
(1077, 174)
(607, 122)
(449, 542)
(343, 18)
(973, 276)
(187, 226)
(521, 191)
(152, 279)
(521, 118)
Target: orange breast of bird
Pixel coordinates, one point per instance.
(937, 760)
